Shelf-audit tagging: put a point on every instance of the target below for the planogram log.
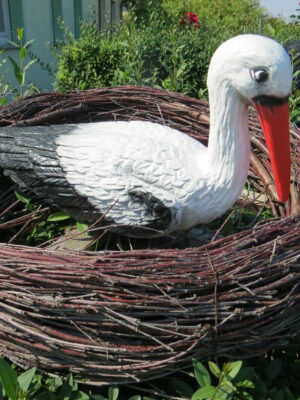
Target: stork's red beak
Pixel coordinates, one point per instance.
(274, 118)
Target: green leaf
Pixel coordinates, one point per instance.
(2, 394)
(205, 392)
(182, 388)
(228, 384)
(23, 53)
(13, 43)
(98, 397)
(20, 32)
(54, 383)
(28, 65)
(17, 70)
(23, 78)
(279, 395)
(246, 373)
(225, 392)
(270, 29)
(273, 369)
(81, 227)
(201, 373)
(25, 379)
(246, 383)
(234, 369)
(67, 388)
(136, 397)
(9, 380)
(148, 398)
(113, 393)
(80, 396)
(28, 43)
(59, 216)
(288, 393)
(45, 396)
(246, 396)
(228, 228)
(214, 369)
(261, 388)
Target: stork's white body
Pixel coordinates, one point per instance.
(105, 160)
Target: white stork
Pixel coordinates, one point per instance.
(154, 179)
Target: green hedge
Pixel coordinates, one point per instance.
(151, 47)
(88, 62)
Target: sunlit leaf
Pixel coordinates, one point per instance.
(214, 369)
(9, 380)
(26, 378)
(23, 53)
(246, 384)
(136, 397)
(201, 373)
(28, 65)
(59, 216)
(234, 368)
(81, 227)
(113, 393)
(20, 32)
(204, 393)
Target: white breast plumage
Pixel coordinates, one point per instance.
(108, 161)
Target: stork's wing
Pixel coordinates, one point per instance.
(127, 169)
(29, 157)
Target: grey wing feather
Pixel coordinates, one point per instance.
(29, 156)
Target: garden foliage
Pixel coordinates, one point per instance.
(20, 71)
(274, 376)
(153, 47)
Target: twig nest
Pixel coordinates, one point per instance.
(126, 316)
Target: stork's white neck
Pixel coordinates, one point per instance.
(228, 154)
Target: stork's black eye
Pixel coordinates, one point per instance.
(260, 75)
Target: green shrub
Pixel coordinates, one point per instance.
(88, 62)
(151, 47)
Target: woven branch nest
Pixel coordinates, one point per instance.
(127, 316)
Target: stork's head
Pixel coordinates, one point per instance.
(259, 70)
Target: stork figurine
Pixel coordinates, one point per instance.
(149, 179)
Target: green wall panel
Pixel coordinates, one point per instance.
(57, 12)
(16, 17)
(78, 16)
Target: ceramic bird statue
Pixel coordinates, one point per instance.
(148, 179)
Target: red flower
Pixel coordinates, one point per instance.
(191, 18)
